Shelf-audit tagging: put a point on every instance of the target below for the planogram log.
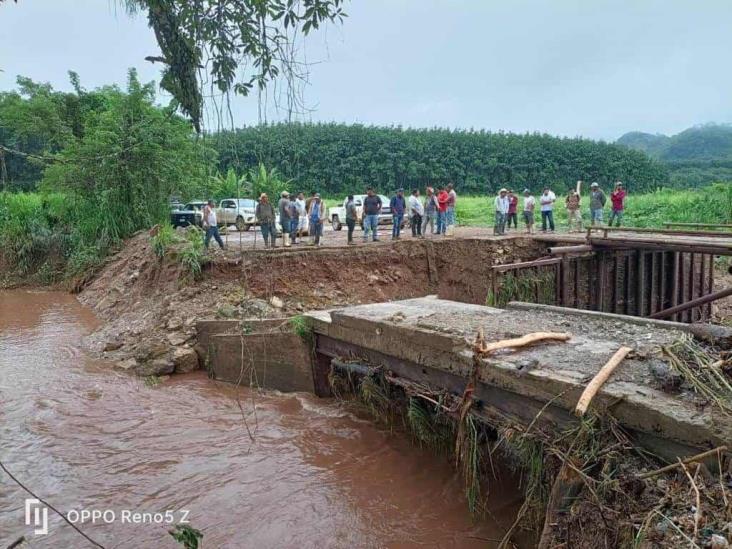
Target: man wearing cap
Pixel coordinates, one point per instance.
(529, 206)
(501, 207)
(416, 213)
(597, 203)
(316, 215)
(397, 205)
(547, 200)
(283, 206)
(430, 211)
(265, 216)
(617, 197)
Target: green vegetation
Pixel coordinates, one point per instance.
(339, 158)
(694, 157)
(187, 536)
(107, 162)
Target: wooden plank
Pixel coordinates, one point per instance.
(653, 298)
(602, 281)
(699, 313)
(710, 285)
(526, 264)
(672, 232)
(693, 303)
(662, 292)
(681, 287)
(565, 265)
(640, 296)
(626, 304)
(690, 288)
(674, 224)
(616, 266)
(576, 284)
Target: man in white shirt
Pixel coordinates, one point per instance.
(529, 206)
(416, 212)
(547, 200)
(302, 214)
(210, 225)
(501, 206)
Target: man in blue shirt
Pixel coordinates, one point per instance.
(397, 205)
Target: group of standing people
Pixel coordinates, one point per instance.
(296, 214)
(506, 208)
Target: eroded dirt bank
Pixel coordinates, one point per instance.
(150, 305)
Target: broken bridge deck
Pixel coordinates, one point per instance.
(428, 341)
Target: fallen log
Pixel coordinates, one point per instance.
(599, 380)
(692, 459)
(567, 485)
(483, 348)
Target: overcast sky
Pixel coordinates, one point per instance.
(595, 68)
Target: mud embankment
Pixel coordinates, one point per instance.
(150, 304)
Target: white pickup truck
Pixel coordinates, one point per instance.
(337, 214)
(237, 211)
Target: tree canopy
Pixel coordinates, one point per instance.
(336, 158)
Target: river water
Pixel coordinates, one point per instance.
(83, 436)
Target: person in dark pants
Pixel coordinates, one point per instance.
(546, 200)
(265, 216)
(351, 216)
(397, 205)
(512, 210)
(210, 224)
(416, 212)
(284, 210)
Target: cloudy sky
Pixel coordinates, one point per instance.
(595, 68)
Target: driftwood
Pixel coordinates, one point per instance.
(687, 461)
(482, 348)
(599, 380)
(567, 485)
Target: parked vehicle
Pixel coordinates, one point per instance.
(237, 211)
(189, 214)
(337, 214)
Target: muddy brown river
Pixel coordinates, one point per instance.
(85, 437)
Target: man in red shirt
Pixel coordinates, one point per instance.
(442, 200)
(617, 197)
(512, 205)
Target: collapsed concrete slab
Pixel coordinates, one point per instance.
(428, 341)
(255, 353)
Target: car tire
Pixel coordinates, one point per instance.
(336, 223)
(240, 225)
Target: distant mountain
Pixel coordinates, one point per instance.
(705, 143)
(697, 156)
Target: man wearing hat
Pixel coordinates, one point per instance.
(617, 197)
(398, 205)
(283, 206)
(597, 203)
(501, 205)
(316, 215)
(265, 216)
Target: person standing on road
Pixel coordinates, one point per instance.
(547, 200)
(430, 211)
(302, 214)
(294, 221)
(210, 225)
(316, 215)
(398, 206)
(501, 207)
(512, 208)
(529, 206)
(617, 197)
(450, 218)
(597, 203)
(265, 215)
(371, 211)
(442, 199)
(283, 206)
(416, 212)
(574, 214)
(351, 216)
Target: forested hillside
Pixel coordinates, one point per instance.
(335, 158)
(696, 156)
